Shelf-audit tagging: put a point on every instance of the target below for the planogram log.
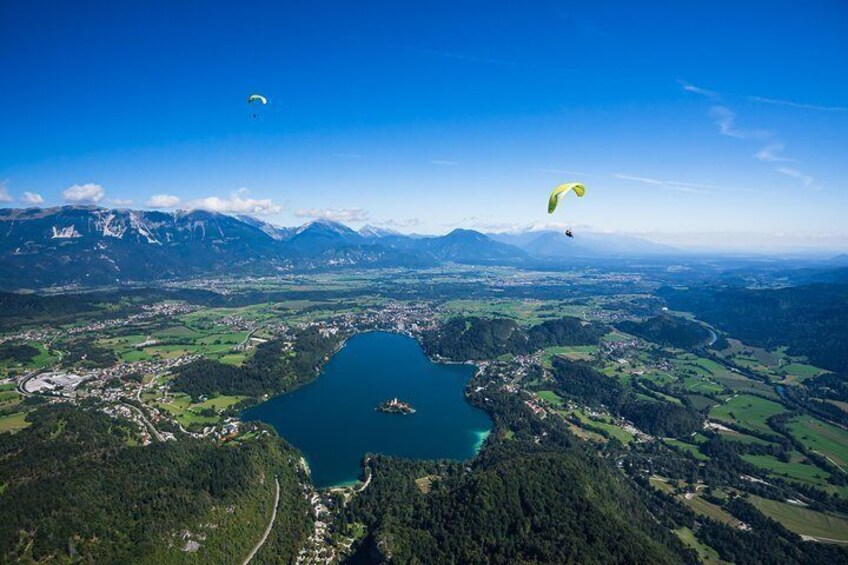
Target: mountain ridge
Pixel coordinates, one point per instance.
(91, 245)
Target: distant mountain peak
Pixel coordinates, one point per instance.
(375, 232)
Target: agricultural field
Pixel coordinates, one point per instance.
(688, 448)
(822, 438)
(706, 554)
(799, 372)
(733, 435)
(694, 501)
(748, 411)
(574, 352)
(798, 469)
(601, 423)
(525, 312)
(13, 422)
(550, 397)
(196, 415)
(804, 521)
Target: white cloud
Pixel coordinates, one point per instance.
(638, 179)
(163, 201)
(796, 174)
(4, 193)
(120, 201)
(407, 223)
(698, 90)
(237, 203)
(770, 152)
(683, 186)
(726, 121)
(335, 214)
(669, 185)
(32, 198)
(791, 104)
(89, 193)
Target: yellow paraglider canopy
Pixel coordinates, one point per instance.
(560, 191)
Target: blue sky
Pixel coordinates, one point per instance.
(720, 124)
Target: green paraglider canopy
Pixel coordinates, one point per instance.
(256, 98)
(561, 190)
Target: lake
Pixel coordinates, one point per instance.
(333, 420)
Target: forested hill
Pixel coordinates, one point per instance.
(668, 330)
(470, 338)
(272, 369)
(73, 489)
(811, 320)
(522, 503)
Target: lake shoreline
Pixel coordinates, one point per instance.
(377, 361)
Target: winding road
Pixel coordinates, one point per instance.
(259, 545)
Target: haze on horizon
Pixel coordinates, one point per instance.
(717, 126)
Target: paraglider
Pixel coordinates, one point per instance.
(559, 193)
(256, 99)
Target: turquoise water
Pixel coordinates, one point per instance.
(333, 422)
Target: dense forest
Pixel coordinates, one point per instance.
(470, 338)
(521, 503)
(271, 369)
(72, 487)
(811, 320)
(668, 330)
(17, 352)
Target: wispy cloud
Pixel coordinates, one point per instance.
(237, 203)
(682, 186)
(400, 224)
(645, 180)
(349, 155)
(714, 95)
(806, 179)
(335, 214)
(89, 193)
(120, 201)
(32, 198)
(688, 87)
(791, 104)
(163, 201)
(444, 162)
(725, 119)
(769, 153)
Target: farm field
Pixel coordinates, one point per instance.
(13, 422)
(823, 438)
(687, 447)
(550, 397)
(706, 554)
(797, 469)
(804, 521)
(574, 352)
(748, 411)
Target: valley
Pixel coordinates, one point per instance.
(718, 433)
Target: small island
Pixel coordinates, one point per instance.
(395, 406)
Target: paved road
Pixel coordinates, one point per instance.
(144, 419)
(258, 546)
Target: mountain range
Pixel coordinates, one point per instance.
(88, 245)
